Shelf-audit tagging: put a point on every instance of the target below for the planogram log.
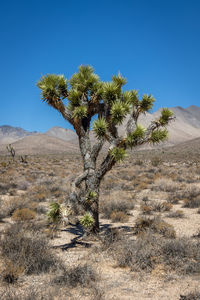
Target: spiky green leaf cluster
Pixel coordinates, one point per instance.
(100, 126)
(118, 154)
(119, 111)
(166, 114)
(91, 196)
(54, 213)
(131, 97)
(53, 87)
(80, 112)
(146, 103)
(74, 97)
(87, 221)
(134, 137)
(85, 80)
(158, 135)
(119, 80)
(111, 92)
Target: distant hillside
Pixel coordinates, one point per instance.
(40, 144)
(62, 133)
(9, 134)
(186, 127)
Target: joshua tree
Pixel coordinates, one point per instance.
(11, 150)
(88, 98)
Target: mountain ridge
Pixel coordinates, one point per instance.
(186, 127)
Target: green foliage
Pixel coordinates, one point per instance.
(87, 221)
(80, 112)
(91, 196)
(131, 97)
(84, 80)
(54, 213)
(119, 80)
(111, 92)
(118, 154)
(74, 97)
(119, 111)
(53, 87)
(100, 126)
(166, 114)
(134, 137)
(158, 135)
(146, 103)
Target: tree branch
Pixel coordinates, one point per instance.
(97, 148)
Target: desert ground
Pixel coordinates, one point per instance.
(149, 243)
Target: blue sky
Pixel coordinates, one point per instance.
(154, 43)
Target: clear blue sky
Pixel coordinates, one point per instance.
(154, 43)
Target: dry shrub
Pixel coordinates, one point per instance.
(155, 161)
(8, 208)
(107, 208)
(119, 216)
(197, 235)
(156, 224)
(192, 202)
(11, 272)
(165, 185)
(6, 187)
(23, 214)
(173, 198)
(82, 275)
(161, 206)
(139, 254)
(191, 296)
(28, 249)
(31, 293)
(110, 237)
(176, 214)
(138, 162)
(142, 186)
(148, 250)
(182, 255)
(146, 209)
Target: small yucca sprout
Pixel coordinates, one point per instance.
(166, 114)
(91, 196)
(118, 154)
(119, 111)
(87, 221)
(146, 103)
(54, 213)
(158, 135)
(134, 137)
(100, 126)
(80, 112)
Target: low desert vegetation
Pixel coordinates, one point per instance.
(149, 221)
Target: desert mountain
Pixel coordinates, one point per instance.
(40, 144)
(62, 133)
(9, 134)
(186, 127)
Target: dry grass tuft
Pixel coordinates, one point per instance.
(27, 249)
(156, 224)
(23, 214)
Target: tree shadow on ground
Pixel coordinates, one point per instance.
(81, 235)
